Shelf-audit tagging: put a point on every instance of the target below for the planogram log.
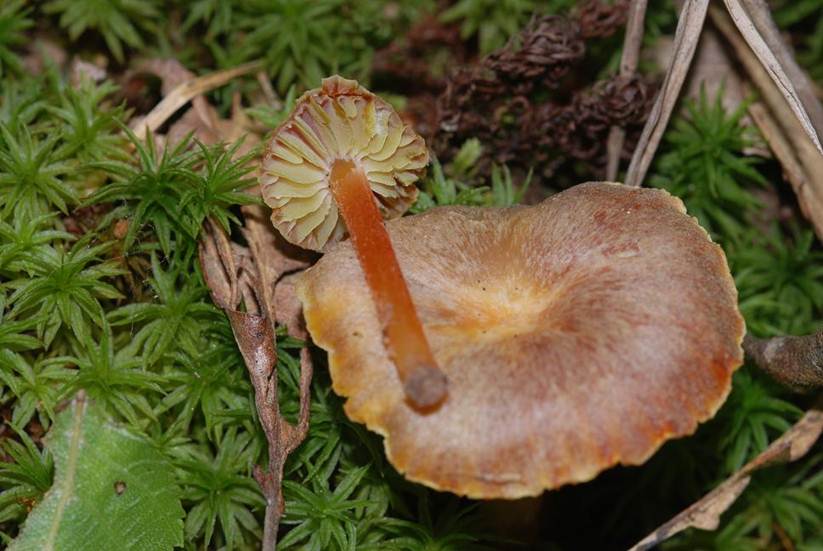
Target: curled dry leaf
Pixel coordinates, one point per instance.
(273, 256)
(232, 280)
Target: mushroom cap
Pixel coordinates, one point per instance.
(339, 120)
(576, 334)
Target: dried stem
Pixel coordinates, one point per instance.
(628, 66)
(787, 138)
(424, 383)
(233, 278)
(796, 362)
(686, 37)
(705, 513)
(806, 88)
(739, 12)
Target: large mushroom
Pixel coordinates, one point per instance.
(576, 334)
(341, 161)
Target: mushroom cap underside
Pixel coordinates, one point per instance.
(341, 120)
(576, 334)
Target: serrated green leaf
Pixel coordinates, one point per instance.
(112, 490)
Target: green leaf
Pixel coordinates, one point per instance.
(112, 490)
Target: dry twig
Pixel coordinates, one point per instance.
(796, 362)
(628, 66)
(705, 514)
(802, 163)
(234, 277)
(751, 18)
(737, 9)
(686, 37)
(806, 88)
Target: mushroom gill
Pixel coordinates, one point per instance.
(339, 121)
(344, 159)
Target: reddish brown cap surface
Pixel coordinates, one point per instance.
(576, 334)
(339, 120)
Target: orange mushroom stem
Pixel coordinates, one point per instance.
(424, 383)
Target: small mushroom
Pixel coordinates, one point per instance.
(576, 334)
(341, 161)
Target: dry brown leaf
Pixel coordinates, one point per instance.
(185, 92)
(705, 514)
(222, 264)
(686, 37)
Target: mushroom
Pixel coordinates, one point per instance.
(344, 150)
(576, 334)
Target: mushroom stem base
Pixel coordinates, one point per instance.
(424, 384)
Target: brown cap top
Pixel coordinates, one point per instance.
(576, 334)
(340, 120)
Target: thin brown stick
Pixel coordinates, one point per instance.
(807, 181)
(806, 88)
(779, 144)
(628, 66)
(185, 92)
(772, 65)
(268, 91)
(705, 513)
(686, 37)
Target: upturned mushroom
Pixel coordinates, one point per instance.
(576, 334)
(341, 161)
